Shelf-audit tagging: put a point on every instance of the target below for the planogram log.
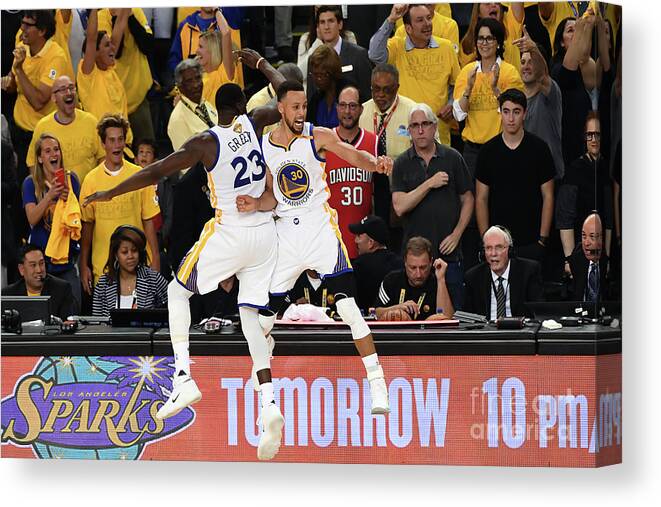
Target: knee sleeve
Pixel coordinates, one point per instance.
(178, 311)
(259, 349)
(348, 310)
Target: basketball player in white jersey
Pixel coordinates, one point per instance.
(231, 243)
(308, 232)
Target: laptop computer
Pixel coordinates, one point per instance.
(144, 317)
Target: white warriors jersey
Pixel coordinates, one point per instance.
(299, 174)
(239, 170)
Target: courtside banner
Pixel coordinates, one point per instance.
(563, 411)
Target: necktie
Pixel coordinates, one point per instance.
(500, 299)
(201, 109)
(593, 282)
(381, 145)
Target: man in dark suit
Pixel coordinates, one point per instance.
(588, 263)
(36, 282)
(356, 65)
(501, 285)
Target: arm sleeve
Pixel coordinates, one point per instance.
(28, 191)
(378, 48)
(144, 38)
(150, 206)
(87, 212)
(385, 295)
(459, 89)
(482, 173)
(160, 290)
(463, 180)
(565, 207)
(397, 184)
(99, 297)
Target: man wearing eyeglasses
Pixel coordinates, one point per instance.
(74, 128)
(501, 284)
(433, 192)
(38, 61)
(350, 187)
(386, 114)
(428, 64)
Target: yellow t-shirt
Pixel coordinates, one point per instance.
(79, 141)
(62, 32)
(443, 27)
(483, 120)
(214, 80)
(133, 66)
(33, 294)
(131, 208)
(425, 74)
(101, 92)
(43, 68)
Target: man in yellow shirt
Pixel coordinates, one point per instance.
(428, 65)
(38, 61)
(442, 26)
(73, 128)
(100, 219)
(133, 41)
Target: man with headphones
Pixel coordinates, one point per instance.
(501, 284)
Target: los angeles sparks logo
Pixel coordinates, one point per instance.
(294, 183)
(91, 407)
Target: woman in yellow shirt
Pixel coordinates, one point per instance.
(511, 19)
(215, 55)
(478, 86)
(99, 88)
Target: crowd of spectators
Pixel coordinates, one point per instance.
(504, 121)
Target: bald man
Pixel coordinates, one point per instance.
(73, 127)
(588, 263)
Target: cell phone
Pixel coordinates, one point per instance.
(59, 176)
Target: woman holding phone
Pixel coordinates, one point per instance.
(48, 183)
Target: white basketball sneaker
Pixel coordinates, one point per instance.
(255, 381)
(184, 393)
(378, 391)
(271, 436)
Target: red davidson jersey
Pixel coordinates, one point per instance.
(350, 188)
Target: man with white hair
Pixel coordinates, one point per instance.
(433, 191)
(502, 284)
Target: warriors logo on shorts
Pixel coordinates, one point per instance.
(294, 183)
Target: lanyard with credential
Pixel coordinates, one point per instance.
(386, 120)
(402, 297)
(199, 114)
